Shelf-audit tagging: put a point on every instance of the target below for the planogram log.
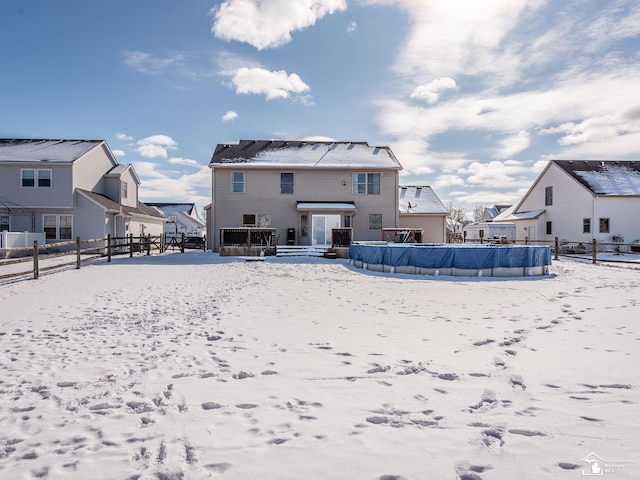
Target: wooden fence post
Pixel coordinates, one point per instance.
(182, 243)
(109, 248)
(557, 247)
(78, 259)
(130, 245)
(36, 268)
(148, 240)
(594, 249)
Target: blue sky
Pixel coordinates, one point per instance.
(474, 97)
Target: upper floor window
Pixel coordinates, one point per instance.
(124, 187)
(604, 225)
(36, 177)
(367, 183)
(548, 196)
(586, 225)
(286, 183)
(237, 182)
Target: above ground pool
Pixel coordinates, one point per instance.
(454, 260)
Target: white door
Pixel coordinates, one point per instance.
(321, 226)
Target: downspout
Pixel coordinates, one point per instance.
(593, 217)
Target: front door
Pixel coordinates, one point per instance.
(321, 226)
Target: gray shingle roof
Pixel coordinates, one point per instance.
(301, 154)
(605, 177)
(37, 150)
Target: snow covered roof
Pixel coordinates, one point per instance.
(39, 150)
(508, 215)
(300, 154)
(118, 170)
(173, 208)
(605, 177)
(419, 199)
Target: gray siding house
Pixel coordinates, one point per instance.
(70, 188)
(303, 189)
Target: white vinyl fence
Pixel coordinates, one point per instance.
(9, 240)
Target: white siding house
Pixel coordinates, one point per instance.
(304, 188)
(580, 200)
(70, 188)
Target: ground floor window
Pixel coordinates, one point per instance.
(304, 225)
(58, 227)
(347, 221)
(604, 225)
(375, 221)
(4, 223)
(549, 229)
(586, 225)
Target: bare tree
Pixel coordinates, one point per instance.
(457, 217)
(478, 211)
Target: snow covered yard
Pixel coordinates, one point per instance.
(189, 366)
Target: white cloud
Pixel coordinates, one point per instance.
(183, 161)
(118, 153)
(353, 26)
(156, 146)
(430, 92)
(513, 144)
(123, 137)
(268, 23)
(272, 84)
(153, 65)
(158, 185)
(229, 116)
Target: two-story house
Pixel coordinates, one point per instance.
(304, 189)
(580, 200)
(70, 188)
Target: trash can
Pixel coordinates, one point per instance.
(291, 236)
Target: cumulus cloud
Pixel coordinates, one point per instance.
(118, 153)
(229, 116)
(353, 26)
(156, 146)
(271, 84)
(183, 161)
(123, 137)
(163, 186)
(513, 144)
(268, 23)
(430, 92)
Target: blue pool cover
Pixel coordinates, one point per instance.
(453, 256)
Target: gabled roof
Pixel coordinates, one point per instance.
(118, 170)
(301, 154)
(173, 208)
(42, 150)
(110, 205)
(604, 177)
(507, 215)
(419, 199)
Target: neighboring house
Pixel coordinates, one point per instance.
(180, 218)
(420, 208)
(304, 189)
(580, 200)
(489, 213)
(68, 189)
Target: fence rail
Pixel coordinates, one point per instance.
(75, 253)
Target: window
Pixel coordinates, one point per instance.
(237, 182)
(304, 225)
(375, 221)
(366, 183)
(586, 225)
(36, 178)
(286, 183)
(4, 223)
(549, 229)
(28, 178)
(44, 178)
(347, 221)
(123, 188)
(548, 196)
(249, 219)
(604, 225)
(58, 227)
